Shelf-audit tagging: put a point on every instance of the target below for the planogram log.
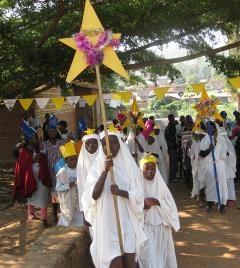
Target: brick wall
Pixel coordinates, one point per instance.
(9, 131)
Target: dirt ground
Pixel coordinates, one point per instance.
(204, 240)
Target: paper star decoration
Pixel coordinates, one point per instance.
(134, 115)
(206, 108)
(91, 22)
(90, 131)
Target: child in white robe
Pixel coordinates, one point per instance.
(231, 164)
(160, 217)
(136, 144)
(89, 151)
(220, 150)
(153, 148)
(98, 205)
(66, 188)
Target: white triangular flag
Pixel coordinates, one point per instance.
(114, 103)
(73, 100)
(10, 103)
(42, 102)
(82, 103)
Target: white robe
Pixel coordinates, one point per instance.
(220, 152)
(231, 163)
(40, 198)
(155, 149)
(68, 198)
(194, 154)
(158, 250)
(164, 161)
(100, 213)
(85, 161)
(133, 147)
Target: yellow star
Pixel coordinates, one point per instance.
(91, 22)
(206, 108)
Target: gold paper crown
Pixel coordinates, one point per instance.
(111, 128)
(90, 131)
(68, 149)
(147, 159)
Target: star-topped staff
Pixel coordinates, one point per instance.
(207, 110)
(133, 119)
(95, 46)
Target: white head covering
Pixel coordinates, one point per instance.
(85, 161)
(166, 213)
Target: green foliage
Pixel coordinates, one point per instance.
(181, 107)
(31, 54)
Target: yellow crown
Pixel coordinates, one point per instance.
(147, 159)
(68, 149)
(90, 131)
(111, 128)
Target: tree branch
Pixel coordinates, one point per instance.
(53, 24)
(209, 52)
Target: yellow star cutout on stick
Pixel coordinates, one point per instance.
(134, 112)
(93, 28)
(206, 108)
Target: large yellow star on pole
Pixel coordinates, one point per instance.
(206, 108)
(79, 64)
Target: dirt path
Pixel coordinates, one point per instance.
(206, 240)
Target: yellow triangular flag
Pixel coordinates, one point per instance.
(25, 103)
(235, 82)
(198, 87)
(58, 102)
(125, 95)
(116, 96)
(90, 99)
(160, 92)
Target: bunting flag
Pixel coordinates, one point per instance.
(125, 95)
(160, 92)
(81, 103)
(116, 96)
(235, 82)
(198, 87)
(58, 102)
(73, 100)
(10, 103)
(42, 102)
(25, 103)
(90, 99)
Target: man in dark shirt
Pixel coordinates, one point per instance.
(170, 136)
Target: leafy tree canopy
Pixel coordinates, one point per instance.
(31, 54)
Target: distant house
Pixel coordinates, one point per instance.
(10, 120)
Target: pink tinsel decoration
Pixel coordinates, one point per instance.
(94, 53)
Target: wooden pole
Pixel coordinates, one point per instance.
(104, 119)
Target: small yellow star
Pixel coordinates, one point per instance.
(79, 64)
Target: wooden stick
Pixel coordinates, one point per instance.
(104, 119)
